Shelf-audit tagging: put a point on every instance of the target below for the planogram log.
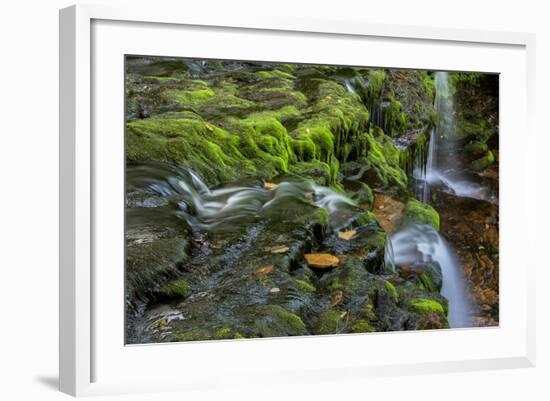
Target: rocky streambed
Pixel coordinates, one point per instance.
(299, 259)
(271, 200)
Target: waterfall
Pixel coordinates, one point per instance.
(444, 129)
(417, 244)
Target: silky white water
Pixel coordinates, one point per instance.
(445, 128)
(417, 244)
(207, 208)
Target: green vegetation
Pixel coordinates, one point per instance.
(416, 211)
(427, 306)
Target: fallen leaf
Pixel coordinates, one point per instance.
(336, 298)
(321, 260)
(262, 271)
(282, 249)
(347, 235)
(209, 127)
(270, 185)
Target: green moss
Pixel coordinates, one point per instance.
(426, 306)
(304, 285)
(314, 169)
(431, 278)
(191, 98)
(426, 283)
(484, 162)
(365, 218)
(208, 149)
(363, 194)
(195, 334)
(416, 211)
(394, 118)
(383, 158)
(476, 148)
(161, 79)
(277, 321)
(224, 333)
(175, 289)
(392, 291)
(329, 322)
(361, 326)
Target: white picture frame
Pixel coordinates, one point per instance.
(82, 345)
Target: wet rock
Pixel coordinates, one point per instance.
(472, 226)
(388, 211)
(416, 211)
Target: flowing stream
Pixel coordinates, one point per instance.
(207, 209)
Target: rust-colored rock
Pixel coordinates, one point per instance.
(321, 260)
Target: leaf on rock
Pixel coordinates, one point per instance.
(347, 235)
(263, 271)
(281, 249)
(321, 260)
(270, 185)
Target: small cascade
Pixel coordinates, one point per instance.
(418, 244)
(206, 208)
(445, 128)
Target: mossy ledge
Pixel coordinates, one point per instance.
(295, 119)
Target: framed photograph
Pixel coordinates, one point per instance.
(278, 199)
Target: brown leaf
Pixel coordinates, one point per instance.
(270, 185)
(321, 260)
(263, 271)
(336, 298)
(347, 235)
(282, 249)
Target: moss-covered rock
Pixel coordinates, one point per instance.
(426, 306)
(361, 326)
(173, 290)
(304, 285)
(330, 322)
(416, 211)
(392, 291)
(476, 148)
(277, 321)
(484, 162)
